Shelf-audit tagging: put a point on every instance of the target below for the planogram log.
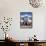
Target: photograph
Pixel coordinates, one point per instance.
(25, 19)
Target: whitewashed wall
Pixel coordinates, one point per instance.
(12, 8)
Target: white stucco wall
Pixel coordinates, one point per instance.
(12, 8)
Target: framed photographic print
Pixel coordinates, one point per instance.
(25, 19)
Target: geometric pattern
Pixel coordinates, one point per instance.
(35, 3)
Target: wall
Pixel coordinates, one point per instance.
(12, 8)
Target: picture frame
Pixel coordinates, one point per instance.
(26, 19)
